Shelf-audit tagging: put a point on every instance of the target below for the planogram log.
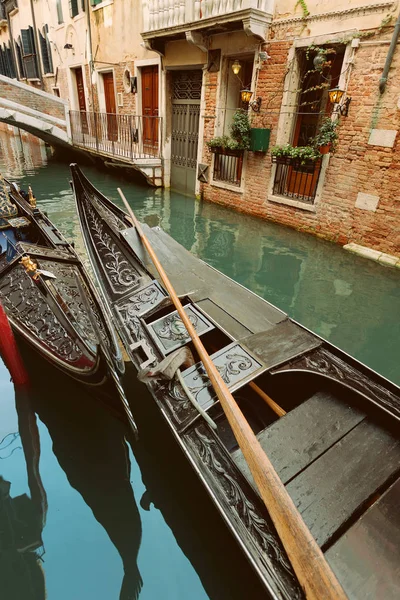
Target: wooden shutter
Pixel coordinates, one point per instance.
(29, 53)
(46, 51)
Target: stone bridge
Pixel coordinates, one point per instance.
(35, 111)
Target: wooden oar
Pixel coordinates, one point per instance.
(313, 572)
(278, 410)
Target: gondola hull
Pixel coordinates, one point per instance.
(53, 306)
(342, 419)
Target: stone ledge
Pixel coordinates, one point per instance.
(291, 202)
(384, 259)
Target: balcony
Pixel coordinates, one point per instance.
(126, 139)
(297, 181)
(165, 20)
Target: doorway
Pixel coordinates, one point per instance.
(186, 88)
(80, 94)
(110, 104)
(150, 109)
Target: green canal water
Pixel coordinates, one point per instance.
(117, 518)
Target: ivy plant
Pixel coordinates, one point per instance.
(326, 134)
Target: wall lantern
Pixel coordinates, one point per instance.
(335, 96)
(236, 66)
(246, 96)
(68, 47)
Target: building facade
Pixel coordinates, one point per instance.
(159, 83)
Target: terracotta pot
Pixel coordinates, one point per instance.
(325, 149)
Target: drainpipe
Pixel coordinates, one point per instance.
(91, 65)
(389, 58)
(37, 45)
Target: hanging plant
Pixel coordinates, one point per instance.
(326, 138)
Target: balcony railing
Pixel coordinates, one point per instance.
(162, 14)
(124, 136)
(296, 181)
(228, 166)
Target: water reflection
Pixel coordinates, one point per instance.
(23, 511)
(90, 446)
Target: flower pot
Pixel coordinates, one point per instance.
(282, 160)
(259, 140)
(226, 151)
(325, 149)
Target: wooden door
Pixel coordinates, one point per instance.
(111, 109)
(80, 88)
(150, 109)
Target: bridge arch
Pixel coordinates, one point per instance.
(35, 111)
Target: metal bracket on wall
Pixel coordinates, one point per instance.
(202, 173)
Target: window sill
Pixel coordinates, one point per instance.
(227, 186)
(34, 80)
(102, 5)
(290, 202)
(46, 75)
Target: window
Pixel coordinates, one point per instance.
(29, 54)
(46, 50)
(294, 179)
(95, 2)
(7, 66)
(73, 8)
(60, 12)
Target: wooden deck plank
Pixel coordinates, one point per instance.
(331, 489)
(366, 559)
(224, 319)
(281, 343)
(304, 434)
(190, 275)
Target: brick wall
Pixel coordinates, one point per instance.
(27, 97)
(355, 167)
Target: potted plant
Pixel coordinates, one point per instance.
(326, 138)
(240, 136)
(295, 155)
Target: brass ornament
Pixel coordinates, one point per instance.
(30, 267)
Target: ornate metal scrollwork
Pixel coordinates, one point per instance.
(259, 531)
(120, 273)
(24, 302)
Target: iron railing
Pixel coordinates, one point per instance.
(228, 167)
(125, 136)
(297, 181)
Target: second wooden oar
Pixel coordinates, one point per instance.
(313, 572)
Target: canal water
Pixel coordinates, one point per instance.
(106, 517)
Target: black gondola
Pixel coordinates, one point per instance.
(49, 298)
(337, 449)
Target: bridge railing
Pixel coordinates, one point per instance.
(125, 136)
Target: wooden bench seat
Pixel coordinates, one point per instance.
(366, 558)
(300, 437)
(332, 460)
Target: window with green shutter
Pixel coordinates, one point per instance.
(59, 12)
(46, 50)
(29, 54)
(73, 8)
